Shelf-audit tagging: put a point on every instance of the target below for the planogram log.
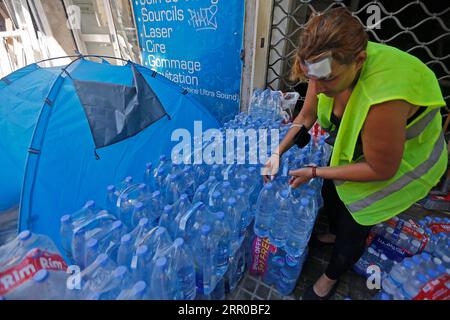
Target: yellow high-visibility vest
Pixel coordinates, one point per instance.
(390, 74)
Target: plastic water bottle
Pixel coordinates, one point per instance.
(125, 252)
(66, 234)
(173, 189)
(275, 263)
(140, 263)
(223, 232)
(280, 221)
(201, 194)
(401, 271)
(182, 264)
(149, 178)
(234, 218)
(264, 211)
(205, 248)
(412, 288)
(111, 199)
(289, 274)
(298, 229)
(92, 251)
(164, 284)
(45, 285)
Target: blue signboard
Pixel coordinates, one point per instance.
(196, 44)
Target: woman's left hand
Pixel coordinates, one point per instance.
(300, 176)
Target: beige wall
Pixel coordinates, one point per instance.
(57, 23)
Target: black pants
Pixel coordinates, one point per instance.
(350, 236)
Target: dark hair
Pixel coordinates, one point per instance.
(336, 30)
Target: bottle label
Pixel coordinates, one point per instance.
(439, 227)
(437, 289)
(24, 271)
(260, 252)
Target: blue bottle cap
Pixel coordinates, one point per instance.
(220, 215)
(117, 225)
(407, 264)
(304, 202)
(441, 269)
(432, 274)
(92, 243)
(161, 171)
(168, 208)
(212, 178)
(216, 195)
(201, 188)
(285, 193)
(142, 186)
(161, 262)
(160, 231)
(110, 188)
(178, 242)
(66, 219)
(148, 165)
(24, 235)
(268, 186)
(421, 277)
(143, 222)
(40, 276)
(243, 177)
(226, 184)
(241, 191)
(231, 201)
(126, 238)
(426, 256)
(120, 272)
(89, 204)
(129, 179)
(156, 193)
(139, 287)
(141, 250)
(184, 197)
(205, 229)
(162, 157)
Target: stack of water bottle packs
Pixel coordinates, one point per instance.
(185, 231)
(413, 258)
(285, 217)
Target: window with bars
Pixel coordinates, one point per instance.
(420, 27)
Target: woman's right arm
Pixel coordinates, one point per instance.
(307, 117)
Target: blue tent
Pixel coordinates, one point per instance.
(68, 132)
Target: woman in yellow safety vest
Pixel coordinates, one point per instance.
(380, 106)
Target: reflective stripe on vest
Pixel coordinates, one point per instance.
(412, 132)
(407, 178)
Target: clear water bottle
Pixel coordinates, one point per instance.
(66, 234)
(201, 194)
(280, 222)
(298, 229)
(182, 263)
(412, 288)
(222, 230)
(401, 271)
(204, 251)
(125, 252)
(174, 189)
(140, 263)
(149, 178)
(264, 211)
(234, 218)
(164, 283)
